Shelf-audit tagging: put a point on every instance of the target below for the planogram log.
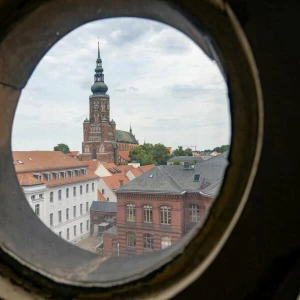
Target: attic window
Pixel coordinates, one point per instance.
(83, 171)
(56, 175)
(64, 174)
(20, 162)
(71, 173)
(38, 176)
(48, 176)
(197, 177)
(186, 165)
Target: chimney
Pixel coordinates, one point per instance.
(121, 182)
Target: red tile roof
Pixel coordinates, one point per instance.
(147, 167)
(73, 153)
(93, 164)
(124, 155)
(101, 197)
(125, 168)
(113, 182)
(137, 172)
(29, 162)
(112, 168)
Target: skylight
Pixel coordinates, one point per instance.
(197, 177)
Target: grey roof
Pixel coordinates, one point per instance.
(112, 230)
(213, 189)
(104, 206)
(175, 179)
(186, 158)
(126, 137)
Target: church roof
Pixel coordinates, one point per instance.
(126, 137)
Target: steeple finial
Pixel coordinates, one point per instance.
(98, 49)
(130, 129)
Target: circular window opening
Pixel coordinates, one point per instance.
(122, 192)
(83, 269)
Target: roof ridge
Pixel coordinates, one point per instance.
(171, 177)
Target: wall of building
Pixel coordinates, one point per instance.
(108, 193)
(98, 217)
(54, 207)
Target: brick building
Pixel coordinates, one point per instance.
(159, 207)
(102, 213)
(101, 139)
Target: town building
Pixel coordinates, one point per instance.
(101, 138)
(59, 189)
(159, 207)
(183, 159)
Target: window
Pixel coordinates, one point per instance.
(51, 219)
(41, 195)
(131, 242)
(93, 187)
(60, 233)
(81, 227)
(74, 191)
(165, 215)
(37, 209)
(194, 213)
(87, 188)
(86, 206)
(148, 241)
(67, 193)
(74, 211)
(32, 197)
(48, 176)
(74, 230)
(51, 196)
(81, 190)
(165, 242)
(197, 177)
(56, 175)
(81, 212)
(130, 212)
(83, 171)
(103, 191)
(67, 214)
(64, 174)
(59, 216)
(59, 195)
(87, 225)
(38, 176)
(107, 198)
(68, 233)
(71, 173)
(148, 213)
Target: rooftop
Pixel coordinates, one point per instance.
(126, 137)
(186, 158)
(104, 206)
(113, 182)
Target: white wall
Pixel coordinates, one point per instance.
(108, 193)
(61, 205)
(130, 175)
(102, 171)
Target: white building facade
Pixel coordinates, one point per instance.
(59, 189)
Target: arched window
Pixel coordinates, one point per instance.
(148, 213)
(165, 215)
(194, 212)
(131, 241)
(165, 242)
(148, 241)
(130, 212)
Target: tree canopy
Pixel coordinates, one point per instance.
(62, 147)
(180, 152)
(147, 154)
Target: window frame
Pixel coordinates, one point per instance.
(130, 212)
(194, 213)
(147, 213)
(148, 241)
(130, 239)
(165, 215)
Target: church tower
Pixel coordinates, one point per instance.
(99, 133)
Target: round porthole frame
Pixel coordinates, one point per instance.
(30, 33)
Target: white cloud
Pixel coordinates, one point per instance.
(158, 80)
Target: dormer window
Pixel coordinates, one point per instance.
(64, 174)
(71, 173)
(48, 176)
(197, 177)
(83, 171)
(77, 172)
(56, 175)
(186, 165)
(38, 176)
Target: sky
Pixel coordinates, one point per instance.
(158, 79)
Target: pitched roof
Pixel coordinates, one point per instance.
(93, 164)
(27, 163)
(112, 168)
(100, 197)
(147, 167)
(30, 161)
(73, 153)
(104, 206)
(198, 159)
(126, 137)
(113, 182)
(176, 179)
(124, 155)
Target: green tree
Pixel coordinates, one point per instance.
(222, 148)
(150, 154)
(180, 152)
(176, 163)
(62, 147)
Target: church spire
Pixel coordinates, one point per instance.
(99, 87)
(130, 129)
